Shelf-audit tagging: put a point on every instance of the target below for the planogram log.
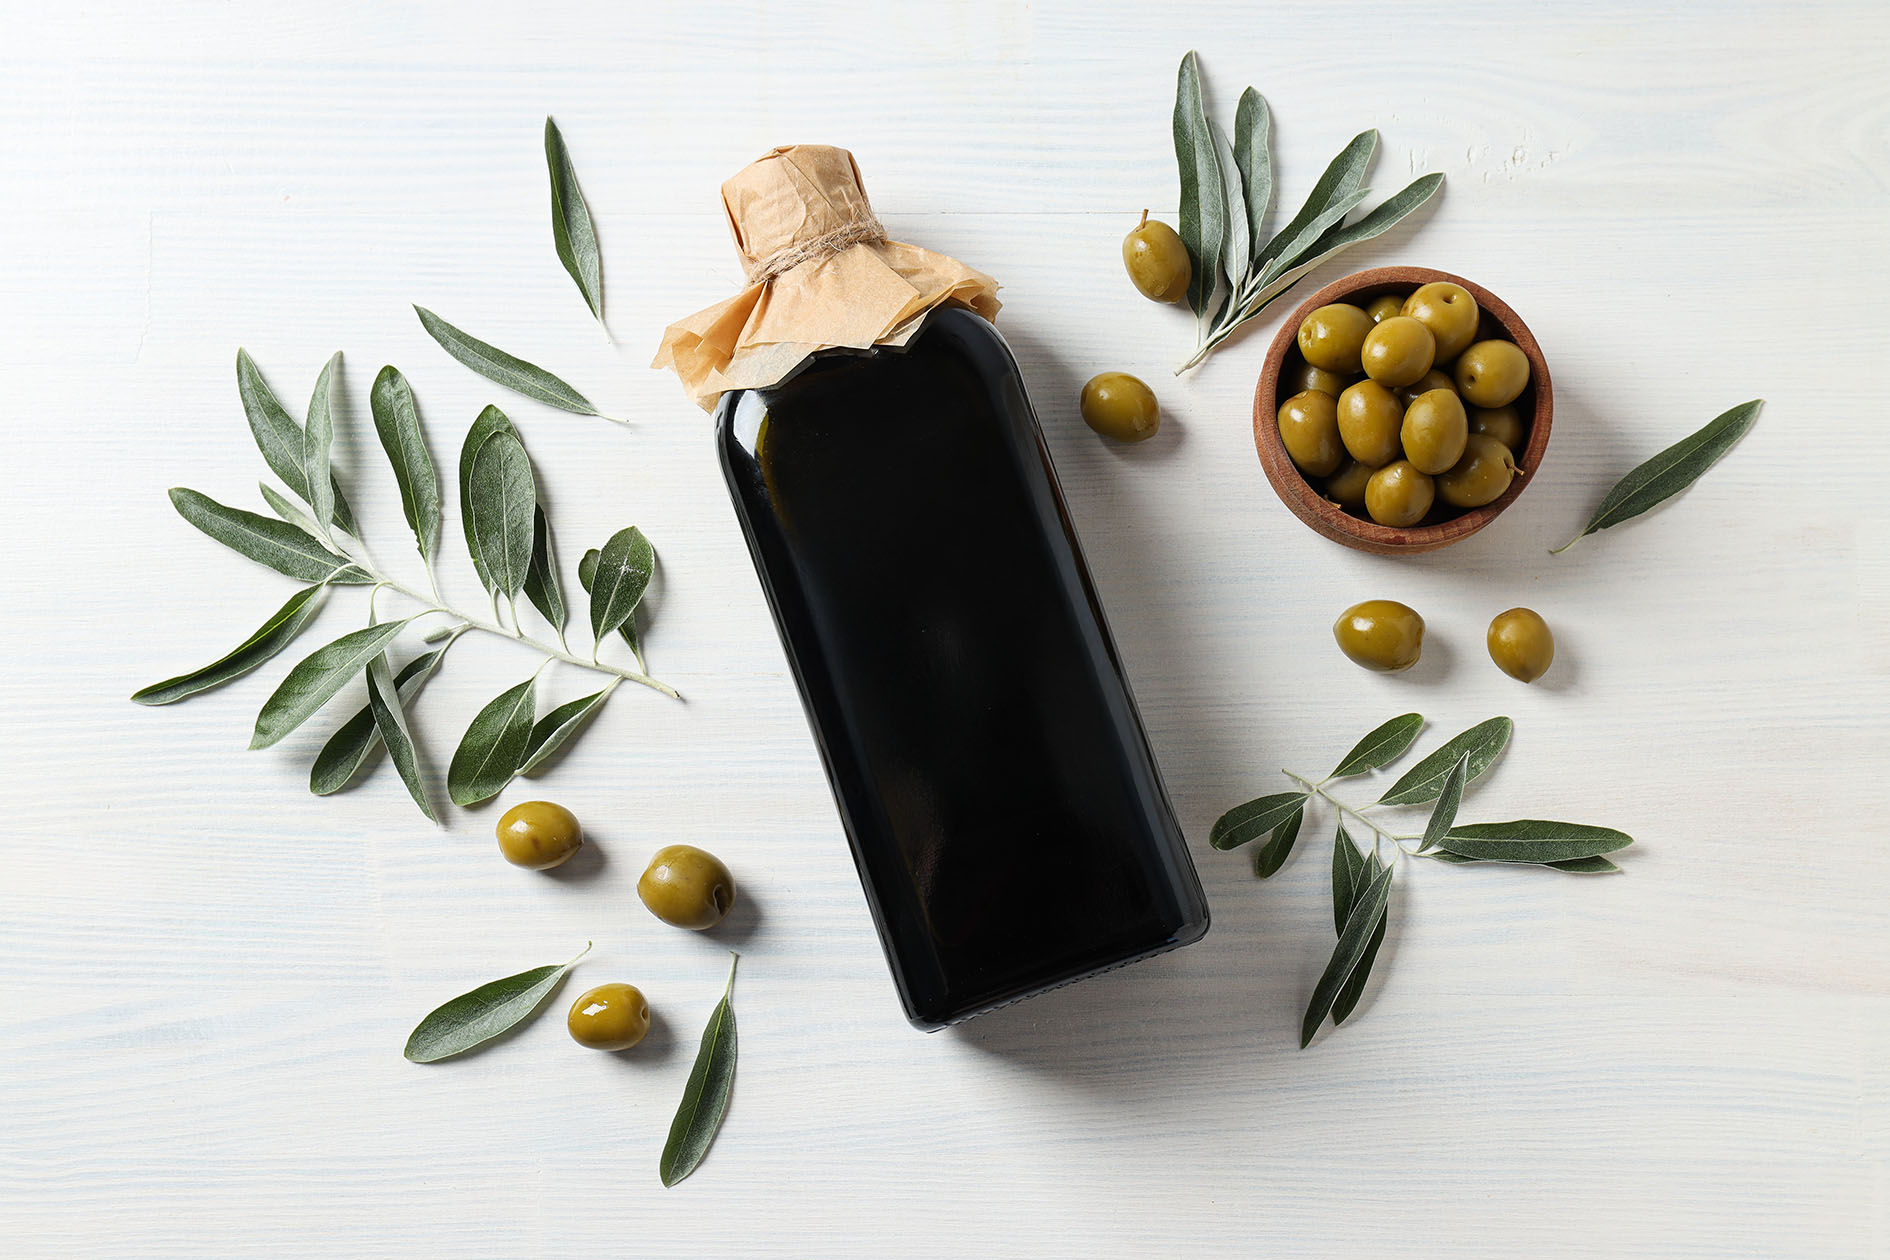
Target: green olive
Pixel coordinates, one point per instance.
(1431, 380)
(1331, 337)
(1502, 423)
(1434, 431)
(1398, 351)
(1399, 495)
(1492, 373)
(686, 887)
(1384, 306)
(539, 835)
(1347, 486)
(1481, 476)
(1119, 406)
(1521, 645)
(1369, 416)
(1449, 312)
(1303, 376)
(1157, 261)
(1309, 429)
(1380, 634)
(609, 1017)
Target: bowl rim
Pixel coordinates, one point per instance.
(1327, 518)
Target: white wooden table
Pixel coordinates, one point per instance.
(207, 974)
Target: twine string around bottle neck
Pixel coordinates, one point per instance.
(861, 231)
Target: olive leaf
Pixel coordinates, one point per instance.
(291, 514)
(490, 421)
(279, 437)
(277, 544)
(1360, 924)
(542, 585)
(479, 1016)
(502, 504)
(274, 635)
(571, 229)
(501, 368)
(493, 748)
(348, 749)
(1354, 987)
(1203, 217)
(1534, 840)
(1236, 242)
(1422, 783)
(551, 731)
(705, 1096)
(1339, 184)
(623, 572)
(1347, 863)
(587, 574)
(1671, 471)
(1271, 856)
(1384, 745)
(1577, 866)
(318, 437)
(1255, 818)
(1449, 797)
(390, 719)
(398, 424)
(1253, 161)
(317, 677)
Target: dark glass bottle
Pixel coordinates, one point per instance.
(1005, 812)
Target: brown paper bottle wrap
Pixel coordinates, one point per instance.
(821, 275)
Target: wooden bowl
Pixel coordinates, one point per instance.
(1328, 518)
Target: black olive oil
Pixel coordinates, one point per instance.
(1004, 809)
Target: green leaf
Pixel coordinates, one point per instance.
(1290, 252)
(1348, 865)
(274, 635)
(493, 748)
(317, 677)
(1271, 856)
(348, 749)
(1422, 782)
(490, 421)
(1671, 471)
(1449, 797)
(390, 719)
(398, 423)
(1236, 242)
(622, 575)
(277, 544)
(587, 574)
(496, 365)
(542, 585)
(1534, 840)
(479, 1016)
(1253, 158)
(571, 229)
(1203, 219)
(318, 438)
(279, 437)
(551, 731)
(1383, 746)
(501, 508)
(280, 504)
(1343, 177)
(1586, 866)
(1354, 940)
(1354, 987)
(1256, 818)
(705, 1097)
(1381, 219)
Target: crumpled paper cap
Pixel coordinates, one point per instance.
(821, 274)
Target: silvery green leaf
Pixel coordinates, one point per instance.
(318, 439)
(279, 504)
(274, 635)
(587, 574)
(490, 421)
(1585, 866)
(1343, 176)
(1354, 940)
(398, 423)
(501, 506)
(623, 572)
(1449, 797)
(496, 365)
(542, 585)
(1203, 218)
(1354, 987)
(348, 749)
(277, 544)
(1421, 783)
(279, 437)
(1253, 158)
(571, 229)
(484, 1013)
(1254, 819)
(1381, 218)
(390, 719)
(1671, 471)
(1237, 244)
(1382, 746)
(1348, 865)
(551, 731)
(315, 680)
(1271, 856)
(705, 1096)
(493, 748)
(1534, 840)
(1292, 250)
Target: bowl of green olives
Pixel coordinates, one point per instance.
(1402, 409)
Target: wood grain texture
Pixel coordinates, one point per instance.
(208, 974)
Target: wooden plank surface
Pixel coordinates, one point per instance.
(207, 973)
